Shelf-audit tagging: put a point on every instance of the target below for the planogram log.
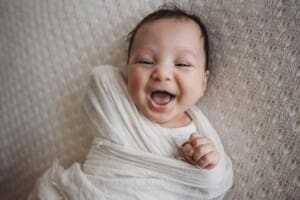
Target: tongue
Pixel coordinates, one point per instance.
(161, 98)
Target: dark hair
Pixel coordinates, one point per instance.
(172, 12)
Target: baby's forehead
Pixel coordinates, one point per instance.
(159, 25)
(155, 30)
(176, 21)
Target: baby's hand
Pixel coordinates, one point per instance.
(200, 150)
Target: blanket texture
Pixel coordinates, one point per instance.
(132, 157)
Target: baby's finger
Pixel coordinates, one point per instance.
(194, 136)
(209, 166)
(188, 150)
(202, 150)
(209, 160)
(200, 141)
(189, 160)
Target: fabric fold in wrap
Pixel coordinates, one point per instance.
(131, 156)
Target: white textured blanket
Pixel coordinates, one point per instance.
(132, 157)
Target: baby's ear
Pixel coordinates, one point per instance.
(207, 75)
(205, 80)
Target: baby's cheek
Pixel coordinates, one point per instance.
(136, 85)
(191, 96)
(192, 87)
(132, 87)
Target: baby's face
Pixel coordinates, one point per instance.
(166, 70)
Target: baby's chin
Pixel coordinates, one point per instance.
(169, 121)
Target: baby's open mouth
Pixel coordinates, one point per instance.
(162, 97)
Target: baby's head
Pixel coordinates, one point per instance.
(167, 66)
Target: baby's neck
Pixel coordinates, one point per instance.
(181, 121)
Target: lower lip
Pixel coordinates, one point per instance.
(157, 107)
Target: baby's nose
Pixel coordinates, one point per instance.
(162, 73)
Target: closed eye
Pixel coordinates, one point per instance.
(145, 62)
(182, 65)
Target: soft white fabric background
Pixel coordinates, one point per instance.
(48, 48)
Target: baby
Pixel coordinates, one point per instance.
(143, 119)
(167, 74)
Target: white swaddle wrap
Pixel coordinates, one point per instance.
(132, 157)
